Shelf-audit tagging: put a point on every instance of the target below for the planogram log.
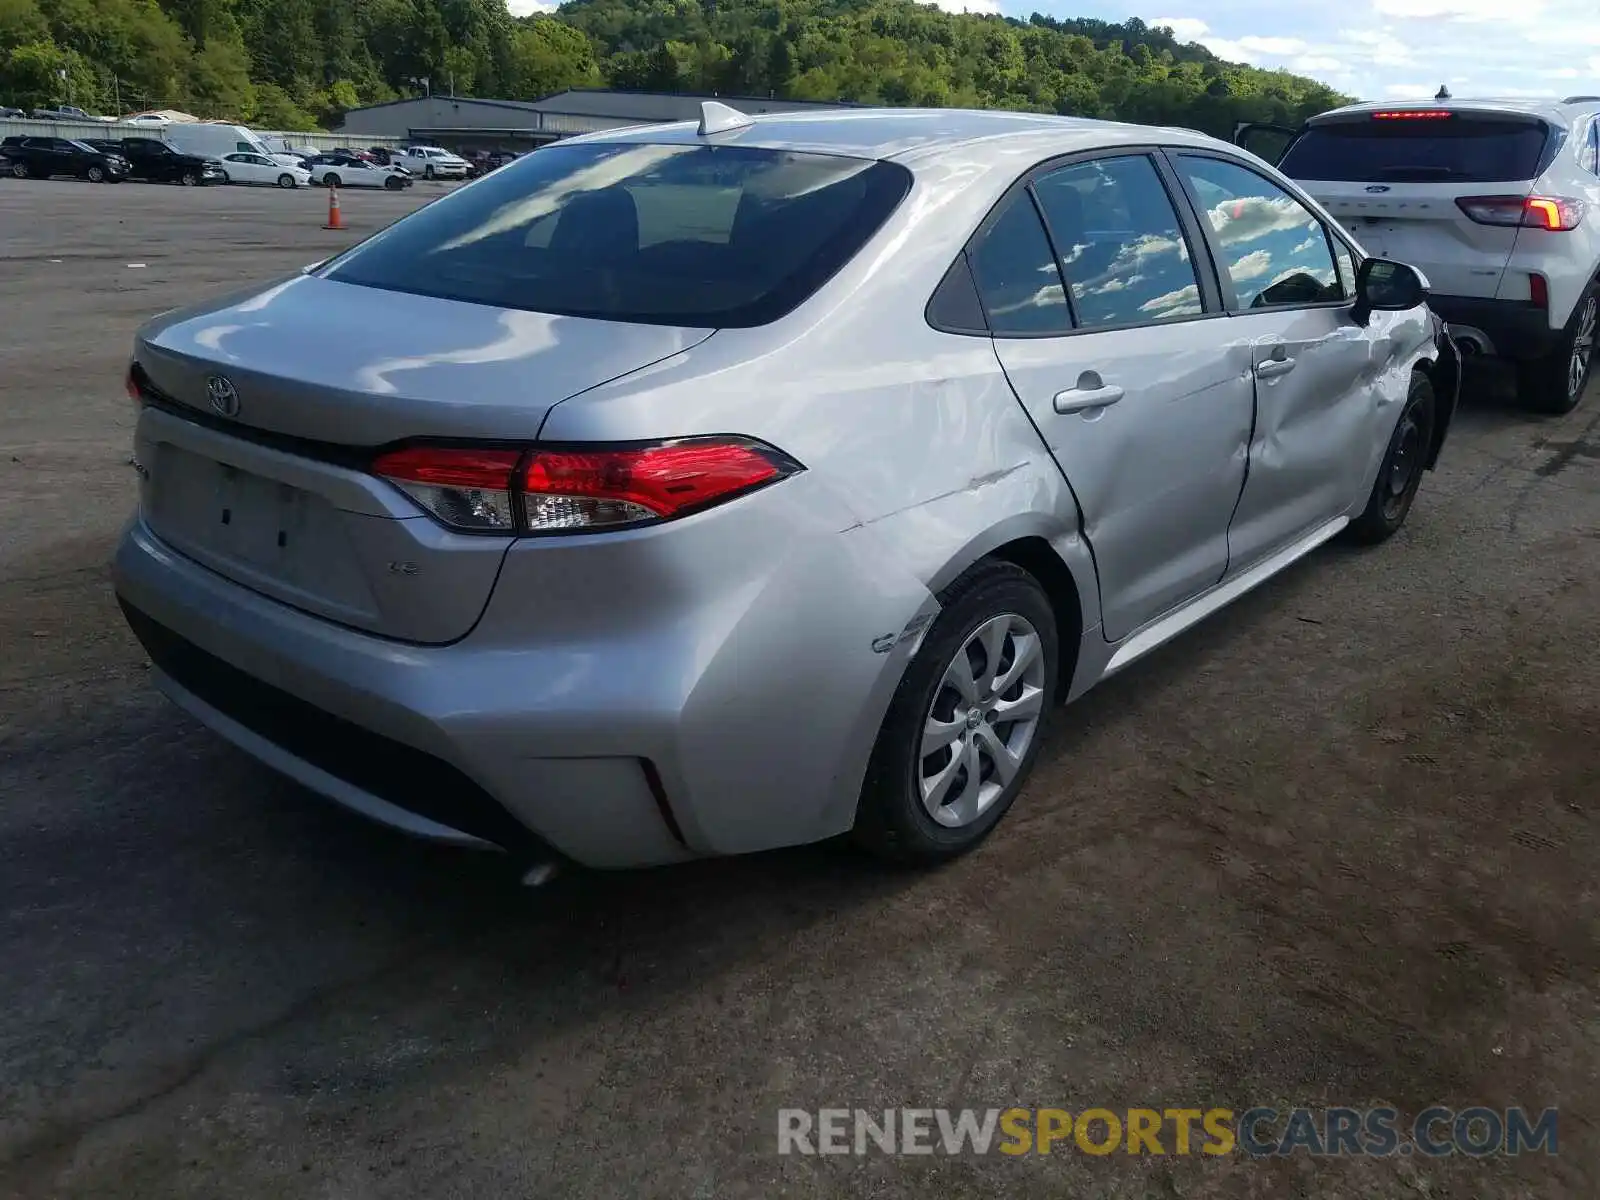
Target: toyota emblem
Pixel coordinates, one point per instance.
(223, 395)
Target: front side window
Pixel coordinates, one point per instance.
(1589, 151)
(1273, 249)
(1018, 279)
(1122, 248)
(698, 235)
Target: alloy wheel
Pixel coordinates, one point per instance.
(1583, 347)
(982, 720)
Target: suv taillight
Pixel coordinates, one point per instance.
(568, 489)
(1555, 214)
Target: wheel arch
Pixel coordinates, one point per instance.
(1443, 372)
(1058, 559)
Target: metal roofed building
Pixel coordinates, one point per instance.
(462, 122)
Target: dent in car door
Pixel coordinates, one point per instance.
(1146, 410)
(1290, 295)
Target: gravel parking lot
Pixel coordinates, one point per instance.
(1337, 847)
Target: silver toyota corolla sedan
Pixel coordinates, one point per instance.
(703, 488)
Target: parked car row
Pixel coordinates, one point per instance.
(156, 161)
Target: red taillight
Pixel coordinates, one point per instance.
(1539, 291)
(130, 384)
(467, 489)
(1414, 114)
(1554, 214)
(564, 489)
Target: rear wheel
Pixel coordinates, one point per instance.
(394, 183)
(331, 180)
(1401, 472)
(1554, 384)
(19, 169)
(189, 178)
(286, 180)
(965, 725)
(95, 174)
(427, 171)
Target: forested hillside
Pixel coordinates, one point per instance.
(298, 63)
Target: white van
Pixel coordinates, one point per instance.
(213, 141)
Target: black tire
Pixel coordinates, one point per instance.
(394, 185)
(1401, 471)
(189, 179)
(20, 169)
(225, 178)
(331, 180)
(95, 173)
(427, 171)
(892, 821)
(1554, 384)
(286, 181)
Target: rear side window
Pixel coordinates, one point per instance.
(710, 236)
(1454, 149)
(1124, 253)
(1018, 280)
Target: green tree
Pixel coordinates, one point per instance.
(32, 75)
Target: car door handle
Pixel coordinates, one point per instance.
(1271, 368)
(1090, 393)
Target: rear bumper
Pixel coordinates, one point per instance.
(708, 732)
(1512, 329)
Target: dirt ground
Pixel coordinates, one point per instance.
(1336, 847)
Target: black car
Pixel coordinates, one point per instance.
(42, 157)
(160, 162)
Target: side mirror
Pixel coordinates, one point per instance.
(1383, 285)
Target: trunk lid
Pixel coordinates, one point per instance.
(1393, 177)
(267, 407)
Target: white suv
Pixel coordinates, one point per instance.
(1497, 202)
(432, 162)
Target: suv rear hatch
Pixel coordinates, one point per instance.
(1394, 177)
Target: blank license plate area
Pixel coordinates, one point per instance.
(235, 518)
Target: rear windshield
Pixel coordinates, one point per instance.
(1456, 149)
(713, 236)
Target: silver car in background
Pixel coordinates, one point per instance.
(699, 489)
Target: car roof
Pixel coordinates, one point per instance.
(909, 134)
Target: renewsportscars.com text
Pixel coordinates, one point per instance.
(1434, 1132)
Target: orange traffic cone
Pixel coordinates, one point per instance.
(335, 219)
